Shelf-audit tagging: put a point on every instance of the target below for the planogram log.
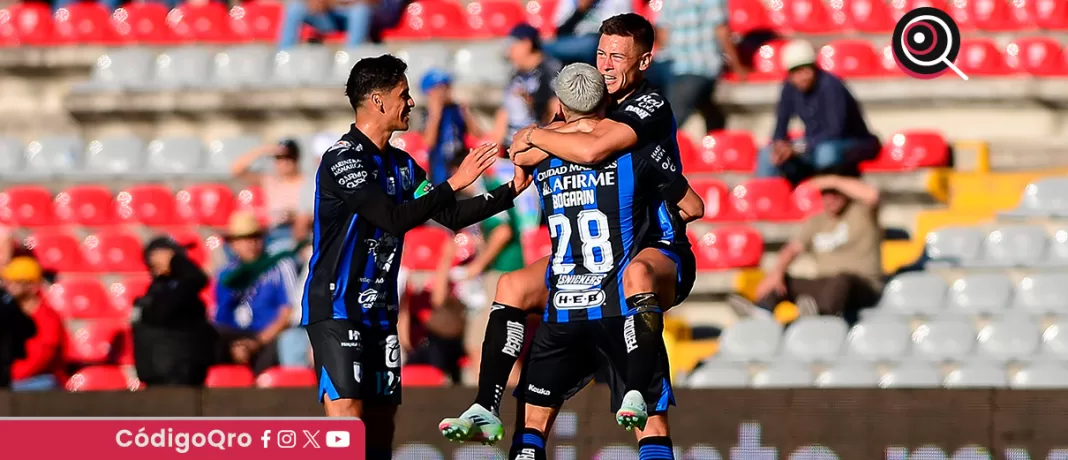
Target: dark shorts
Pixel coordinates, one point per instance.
(565, 356)
(685, 269)
(353, 361)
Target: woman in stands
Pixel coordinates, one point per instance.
(281, 187)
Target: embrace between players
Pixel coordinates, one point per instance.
(616, 204)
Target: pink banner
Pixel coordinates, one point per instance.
(166, 438)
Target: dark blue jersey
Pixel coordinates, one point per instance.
(366, 199)
(598, 218)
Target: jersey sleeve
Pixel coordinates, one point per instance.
(660, 167)
(649, 115)
(467, 212)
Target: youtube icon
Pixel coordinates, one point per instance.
(337, 439)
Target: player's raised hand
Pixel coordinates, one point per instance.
(521, 141)
(522, 179)
(478, 160)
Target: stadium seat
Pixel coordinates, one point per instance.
(1042, 293)
(150, 205)
(175, 156)
(144, 23)
(728, 247)
(913, 293)
(123, 293)
(1043, 198)
(783, 375)
(84, 23)
(205, 204)
(848, 375)
(252, 199)
(912, 375)
(242, 66)
(1055, 340)
(94, 341)
(12, 156)
(57, 251)
(1057, 257)
(944, 339)
(1009, 338)
(748, 15)
(868, 16)
(1040, 376)
(997, 15)
(910, 150)
(302, 66)
(716, 196)
(346, 58)
(421, 57)
(802, 16)
(540, 14)
(423, 20)
(413, 143)
(183, 67)
(977, 375)
(81, 298)
(197, 247)
(422, 247)
(120, 68)
(87, 205)
(718, 375)
(1048, 14)
(26, 23)
(27, 206)
(229, 376)
(286, 377)
(807, 200)
(493, 18)
(52, 155)
(256, 21)
(850, 59)
(114, 155)
(206, 23)
(955, 246)
(482, 63)
(723, 151)
(536, 244)
(815, 338)
(750, 339)
(763, 199)
(422, 375)
(980, 293)
(878, 339)
(222, 153)
(113, 250)
(98, 378)
(767, 63)
(1015, 246)
(1039, 56)
(980, 57)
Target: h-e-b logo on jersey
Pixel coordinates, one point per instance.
(566, 300)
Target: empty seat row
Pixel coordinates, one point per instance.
(888, 339)
(927, 294)
(1041, 375)
(1006, 246)
(1043, 198)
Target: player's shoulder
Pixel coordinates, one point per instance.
(646, 101)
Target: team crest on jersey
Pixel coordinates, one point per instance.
(423, 189)
(406, 178)
(343, 145)
(391, 186)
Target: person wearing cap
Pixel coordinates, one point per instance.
(447, 124)
(835, 132)
(281, 187)
(252, 296)
(42, 367)
(578, 24)
(845, 240)
(528, 96)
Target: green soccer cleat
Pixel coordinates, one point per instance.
(632, 413)
(476, 424)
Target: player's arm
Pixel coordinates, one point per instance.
(462, 213)
(691, 206)
(586, 148)
(853, 188)
(666, 175)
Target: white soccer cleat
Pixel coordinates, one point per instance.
(475, 424)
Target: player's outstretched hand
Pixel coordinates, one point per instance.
(521, 141)
(478, 160)
(521, 180)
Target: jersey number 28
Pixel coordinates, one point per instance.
(593, 232)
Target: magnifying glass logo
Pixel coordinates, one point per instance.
(926, 41)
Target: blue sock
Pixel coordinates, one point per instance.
(528, 445)
(655, 448)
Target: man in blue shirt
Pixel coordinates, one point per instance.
(836, 136)
(447, 124)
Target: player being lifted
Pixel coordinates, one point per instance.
(368, 194)
(660, 275)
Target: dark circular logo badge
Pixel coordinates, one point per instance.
(926, 42)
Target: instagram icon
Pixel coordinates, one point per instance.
(287, 439)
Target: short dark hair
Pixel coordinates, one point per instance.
(372, 74)
(631, 25)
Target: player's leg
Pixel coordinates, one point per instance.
(339, 386)
(380, 423)
(654, 442)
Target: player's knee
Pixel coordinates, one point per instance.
(638, 277)
(342, 408)
(537, 417)
(512, 291)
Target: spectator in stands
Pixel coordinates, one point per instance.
(361, 20)
(431, 322)
(253, 296)
(42, 368)
(845, 241)
(693, 38)
(528, 96)
(11, 248)
(281, 188)
(447, 124)
(578, 25)
(835, 132)
(173, 340)
(16, 328)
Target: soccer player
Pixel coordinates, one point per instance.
(661, 275)
(368, 194)
(597, 217)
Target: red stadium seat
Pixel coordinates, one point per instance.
(727, 247)
(256, 21)
(144, 22)
(82, 23)
(763, 199)
(980, 56)
(869, 16)
(430, 19)
(467, 245)
(536, 244)
(422, 375)
(28, 23)
(94, 341)
(229, 376)
(716, 196)
(767, 63)
(1048, 14)
(850, 58)
(113, 251)
(493, 18)
(807, 200)
(991, 15)
(539, 13)
(98, 378)
(205, 204)
(252, 199)
(27, 206)
(57, 251)
(748, 15)
(726, 150)
(422, 247)
(286, 377)
(121, 294)
(81, 298)
(1040, 56)
(413, 143)
(910, 150)
(196, 246)
(687, 148)
(207, 22)
(87, 205)
(150, 205)
(804, 16)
